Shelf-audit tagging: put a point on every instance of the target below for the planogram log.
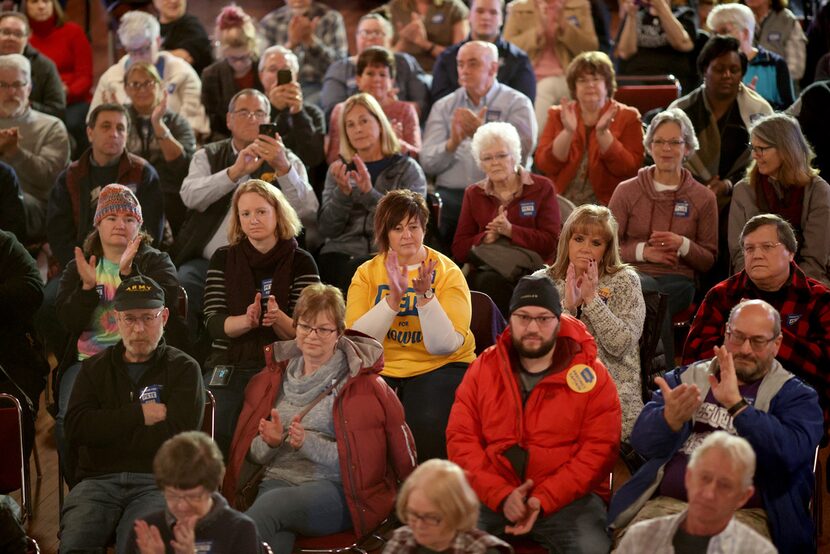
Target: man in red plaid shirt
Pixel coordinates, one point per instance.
(771, 274)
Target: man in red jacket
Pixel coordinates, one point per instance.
(536, 426)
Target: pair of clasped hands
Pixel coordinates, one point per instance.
(662, 248)
(581, 290)
(273, 433)
(254, 312)
(149, 541)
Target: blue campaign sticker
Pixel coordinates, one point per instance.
(492, 115)
(574, 21)
(792, 319)
(527, 209)
(266, 287)
(681, 208)
(438, 19)
(100, 290)
(171, 88)
(774, 37)
(150, 393)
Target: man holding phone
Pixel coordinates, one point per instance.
(254, 151)
(744, 391)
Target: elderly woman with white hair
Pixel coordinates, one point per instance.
(510, 206)
(767, 72)
(440, 511)
(139, 33)
(668, 221)
(781, 180)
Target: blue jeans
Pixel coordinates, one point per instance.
(681, 291)
(67, 381)
(98, 506)
(313, 509)
(577, 528)
(192, 275)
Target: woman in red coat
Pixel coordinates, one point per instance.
(592, 143)
(337, 465)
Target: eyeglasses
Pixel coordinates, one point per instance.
(238, 59)
(737, 340)
(140, 51)
(140, 85)
(541, 321)
(12, 33)
(760, 150)
(675, 143)
(764, 248)
(17, 85)
(322, 332)
(146, 320)
(189, 497)
(370, 33)
(592, 80)
(259, 115)
(494, 158)
(430, 520)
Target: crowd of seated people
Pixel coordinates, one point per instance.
(301, 232)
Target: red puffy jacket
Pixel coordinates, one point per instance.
(374, 443)
(571, 437)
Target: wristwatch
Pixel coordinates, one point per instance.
(428, 294)
(737, 407)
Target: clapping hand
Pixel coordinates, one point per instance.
(272, 312)
(147, 538)
(296, 433)
(254, 312)
(606, 119)
(184, 535)
(725, 389)
(568, 115)
(500, 225)
(397, 279)
(125, 265)
(423, 282)
(680, 403)
(86, 269)
(271, 430)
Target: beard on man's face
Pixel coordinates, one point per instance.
(539, 348)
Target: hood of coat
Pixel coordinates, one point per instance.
(645, 178)
(363, 353)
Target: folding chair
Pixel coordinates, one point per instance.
(346, 542)
(486, 322)
(647, 92)
(652, 325)
(14, 475)
(209, 419)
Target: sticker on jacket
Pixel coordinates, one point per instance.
(581, 378)
(150, 393)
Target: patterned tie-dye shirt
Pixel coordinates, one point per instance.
(103, 330)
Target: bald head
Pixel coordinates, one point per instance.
(478, 63)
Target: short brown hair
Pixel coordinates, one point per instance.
(320, 299)
(397, 206)
(189, 460)
(593, 63)
(288, 223)
(376, 55)
(100, 108)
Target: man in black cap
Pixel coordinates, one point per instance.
(127, 400)
(536, 425)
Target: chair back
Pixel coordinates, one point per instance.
(181, 302)
(566, 207)
(13, 472)
(655, 312)
(209, 418)
(647, 92)
(486, 323)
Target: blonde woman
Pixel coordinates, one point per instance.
(251, 289)
(605, 294)
(370, 165)
(440, 512)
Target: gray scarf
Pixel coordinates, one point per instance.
(301, 389)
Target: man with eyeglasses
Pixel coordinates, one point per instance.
(215, 172)
(744, 391)
(536, 425)
(515, 69)
(771, 274)
(47, 94)
(34, 144)
(340, 80)
(127, 400)
(139, 33)
(446, 154)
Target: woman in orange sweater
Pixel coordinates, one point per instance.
(592, 143)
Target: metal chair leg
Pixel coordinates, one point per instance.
(37, 462)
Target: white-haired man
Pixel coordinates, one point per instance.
(767, 72)
(139, 32)
(454, 119)
(35, 144)
(718, 482)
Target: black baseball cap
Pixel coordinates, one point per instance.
(138, 293)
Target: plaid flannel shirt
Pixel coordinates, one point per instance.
(329, 44)
(804, 305)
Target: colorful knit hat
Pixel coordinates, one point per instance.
(115, 199)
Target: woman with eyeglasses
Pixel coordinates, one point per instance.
(593, 142)
(116, 248)
(371, 163)
(376, 76)
(415, 301)
(510, 206)
(188, 469)
(440, 513)
(781, 180)
(251, 289)
(668, 222)
(159, 135)
(235, 69)
(327, 430)
(604, 293)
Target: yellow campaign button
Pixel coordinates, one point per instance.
(581, 378)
